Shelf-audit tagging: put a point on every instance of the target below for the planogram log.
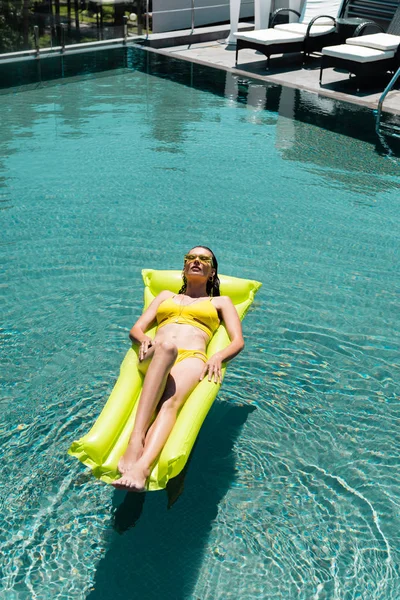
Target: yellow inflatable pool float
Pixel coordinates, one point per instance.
(106, 442)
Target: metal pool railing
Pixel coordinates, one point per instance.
(176, 10)
(27, 24)
(382, 127)
(59, 44)
(61, 22)
(205, 12)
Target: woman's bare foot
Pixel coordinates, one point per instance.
(133, 480)
(132, 454)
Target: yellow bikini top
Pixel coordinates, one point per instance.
(201, 314)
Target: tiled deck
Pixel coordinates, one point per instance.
(287, 71)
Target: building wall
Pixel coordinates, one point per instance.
(207, 12)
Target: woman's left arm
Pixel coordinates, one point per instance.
(234, 328)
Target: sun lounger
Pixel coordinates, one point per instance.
(366, 55)
(316, 28)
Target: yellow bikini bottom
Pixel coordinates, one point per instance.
(183, 354)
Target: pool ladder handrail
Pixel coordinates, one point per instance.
(36, 39)
(389, 130)
(125, 28)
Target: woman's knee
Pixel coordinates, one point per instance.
(172, 404)
(166, 349)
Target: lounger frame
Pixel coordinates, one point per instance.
(306, 46)
(367, 69)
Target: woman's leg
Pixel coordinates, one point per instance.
(182, 380)
(157, 365)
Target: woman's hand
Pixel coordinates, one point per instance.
(214, 368)
(144, 346)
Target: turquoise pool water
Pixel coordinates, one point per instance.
(292, 491)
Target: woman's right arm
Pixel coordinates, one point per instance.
(137, 333)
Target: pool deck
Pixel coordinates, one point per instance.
(286, 70)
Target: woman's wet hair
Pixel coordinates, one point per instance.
(212, 285)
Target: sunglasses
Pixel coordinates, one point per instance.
(203, 258)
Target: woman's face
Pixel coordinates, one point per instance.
(198, 263)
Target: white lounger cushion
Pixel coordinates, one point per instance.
(269, 36)
(317, 8)
(359, 54)
(379, 41)
(301, 28)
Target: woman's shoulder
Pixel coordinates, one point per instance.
(164, 295)
(221, 301)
